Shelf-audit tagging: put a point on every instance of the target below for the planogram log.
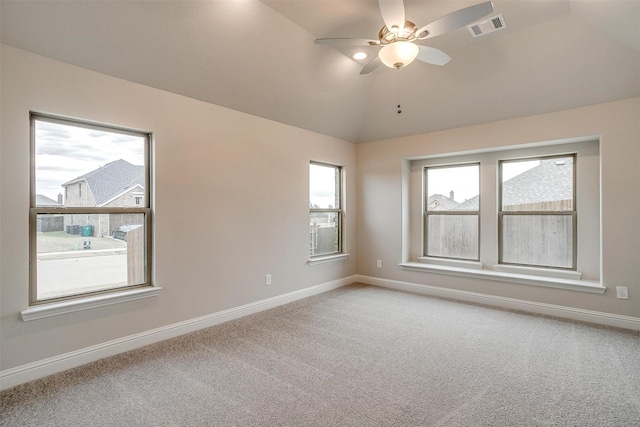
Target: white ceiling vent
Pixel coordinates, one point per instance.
(487, 26)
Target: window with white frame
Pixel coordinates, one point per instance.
(451, 212)
(528, 204)
(537, 216)
(325, 209)
(95, 238)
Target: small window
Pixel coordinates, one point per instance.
(97, 239)
(451, 216)
(537, 218)
(325, 209)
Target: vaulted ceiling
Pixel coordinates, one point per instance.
(259, 57)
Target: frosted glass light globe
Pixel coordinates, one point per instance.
(398, 54)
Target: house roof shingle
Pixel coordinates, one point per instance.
(440, 202)
(112, 179)
(42, 200)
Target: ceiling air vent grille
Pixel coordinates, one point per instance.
(487, 26)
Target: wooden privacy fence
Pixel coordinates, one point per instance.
(47, 224)
(453, 236)
(545, 240)
(543, 237)
(324, 240)
(135, 256)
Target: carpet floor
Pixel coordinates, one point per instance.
(355, 356)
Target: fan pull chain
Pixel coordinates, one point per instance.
(398, 92)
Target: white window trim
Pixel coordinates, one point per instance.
(538, 271)
(523, 279)
(341, 211)
(70, 306)
(537, 276)
(572, 213)
(327, 258)
(426, 213)
(448, 262)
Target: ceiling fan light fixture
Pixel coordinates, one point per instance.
(398, 54)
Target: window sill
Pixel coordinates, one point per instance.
(545, 272)
(474, 265)
(502, 276)
(328, 258)
(70, 306)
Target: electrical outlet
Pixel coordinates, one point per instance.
(622, 292)
(379, 263)
(267, 280)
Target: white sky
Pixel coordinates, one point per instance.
(66, 152)
(462, 180)
(322, 185)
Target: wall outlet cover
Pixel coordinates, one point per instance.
(622, 292)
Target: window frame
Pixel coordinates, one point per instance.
(588, 276)
(339, 210)
(573, 213)
(145, 209)
(427, 212)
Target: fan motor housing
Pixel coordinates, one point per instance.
(407, 33)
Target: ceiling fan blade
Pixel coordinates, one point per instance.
(392, 13)
(372, 65)
(348, 42)
(431, 55)
(455, 20)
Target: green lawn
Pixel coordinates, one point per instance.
(59, 241)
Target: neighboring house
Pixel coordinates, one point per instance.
(438, 202)
(116, 184)
(44, 201)
(524, 191)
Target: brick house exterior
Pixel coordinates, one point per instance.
(116, 184)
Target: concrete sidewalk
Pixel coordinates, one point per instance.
(81, 253)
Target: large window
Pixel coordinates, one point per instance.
(532, 212)
(325, 209)
(452, 211)
(90, 209)
(537, 218)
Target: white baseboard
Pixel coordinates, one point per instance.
(597, 317)
(42, 368)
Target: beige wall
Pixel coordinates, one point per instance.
(249, 177)
(380, 175)
(231, 199)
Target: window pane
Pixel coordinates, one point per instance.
(78, 167)
(75, 256)
(453, 188)
(540, 185)
(324, 230)
(324, 186)
(452, 236)
(542, 240)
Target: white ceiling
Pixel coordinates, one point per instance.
(260, 58)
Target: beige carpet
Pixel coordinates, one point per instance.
(356, 356)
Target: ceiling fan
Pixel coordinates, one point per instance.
(398, 38)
